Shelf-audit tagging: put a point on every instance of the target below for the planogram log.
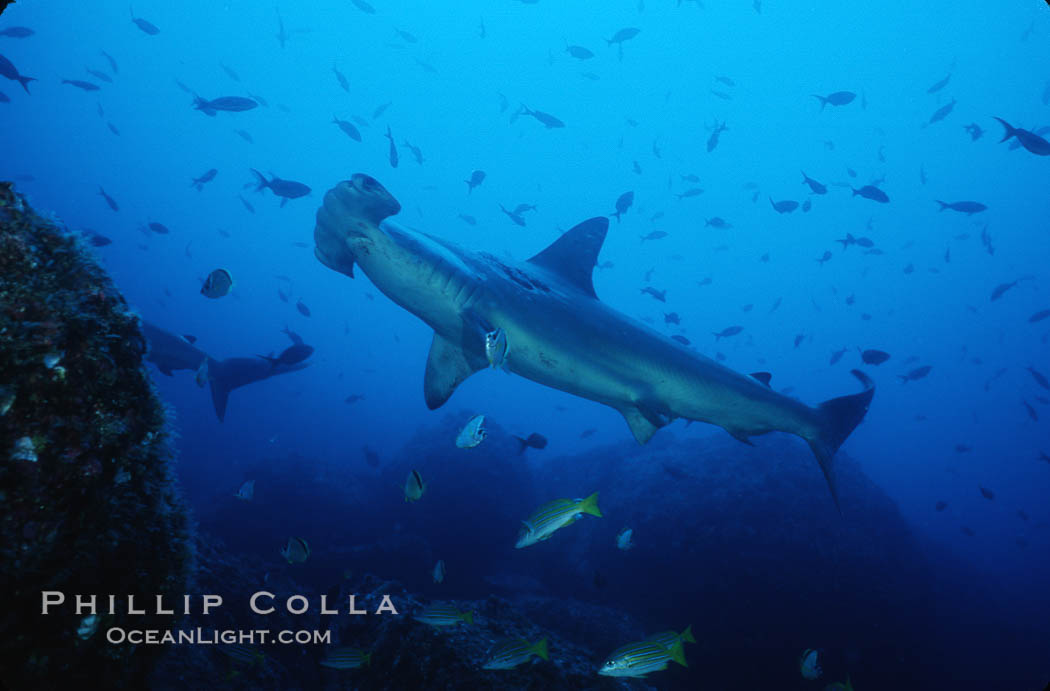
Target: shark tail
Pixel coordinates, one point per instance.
(263, 182)
(838, 418)
(221, 386)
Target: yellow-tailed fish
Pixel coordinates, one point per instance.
(414, 486)
(472, 434)
(624, 539)
(497, 348)
(514, 651)
(669, 638)
(809, 664)
(641, 658)
(443, 615)
(247, 491)
(554, 515)
(346, 658)
(296, 551)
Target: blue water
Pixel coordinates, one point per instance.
(445, 92)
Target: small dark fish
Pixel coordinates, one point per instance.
(476, 178)
(839, 98)
(364, 6)
(806, 206)
(99, 74)
(623, 203)
(939, 85)
(285, 189)
(1031, 411)
(1022, 515)
(712, 141)
(303, 309)
(1043, 456)
(112, 62)
(814, 186)
(247, 204)
(915, 374)
(725, 80)
(393, 148)
(1039, 316)
(578, 52)
(417, 153)
(113, 128)
(963, 448)
(546, 119)
(660, 295)
(968, 531)
(969, 208)
(347, 128)
(427, 67)
(80, 84)
(371, 457)
(941, 505)
(229, 72)
(516, 217)
(623, 35)
(229, 104)
(987, 493)
(341, 78)
(824, 258)
(837, 355)
(672, 318)
(722, 95)
(354, 398)
(207, 177)
(974, 130)
(785, 206)
(147, 27)
(655, 235)
(218, 284)
(691, 192)
(798, 339)
(727, 332)
(681, 339)
(109, 200)
(469, 220)
(158, 228)
(405, 36)
(245, 136)
(380, 109)
(1031, 141)
(942, 112)
(95, 239)
(1001, 289)
(17, 32)
(4, 98)
(533, 441)
(874, 357)
(873, 193)
(1039, 377)
(8, 70)
(717, 222)
(292, 355)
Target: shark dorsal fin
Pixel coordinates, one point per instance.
(572, 256)
(764, 377)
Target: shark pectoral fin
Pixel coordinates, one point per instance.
(740, 436)
(643, 426)
(164, 369)
(572, 256)
(448, 365)
(343, 262)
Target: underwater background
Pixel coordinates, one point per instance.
(934, 575)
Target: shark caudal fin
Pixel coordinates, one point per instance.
(839, 417)
(221, 386)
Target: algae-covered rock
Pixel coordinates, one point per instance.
(89, 504)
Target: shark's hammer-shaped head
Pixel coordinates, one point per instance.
(351, 210)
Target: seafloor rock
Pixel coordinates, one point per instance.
(89, 505)
(405, 653)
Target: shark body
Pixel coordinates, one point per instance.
(559, 333)
(170, 353)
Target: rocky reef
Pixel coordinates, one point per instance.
(89, 504)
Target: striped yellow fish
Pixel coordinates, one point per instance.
(641, 658)
(346, 658)
(554, 515)
(443, 615)
(515, 651)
